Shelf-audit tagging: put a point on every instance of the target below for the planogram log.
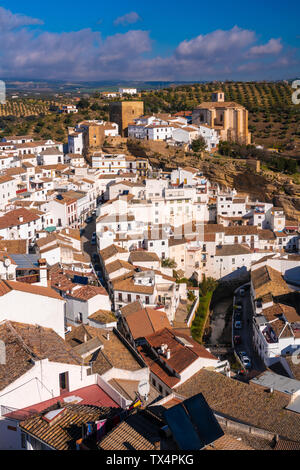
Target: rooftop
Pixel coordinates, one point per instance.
(28, 343)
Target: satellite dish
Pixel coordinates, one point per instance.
(144, 389)
(7, 262)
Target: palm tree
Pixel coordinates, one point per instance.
(169, 263)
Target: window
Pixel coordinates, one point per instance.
(120, 297)
(64, 381)
(129, 297)
(147, 300)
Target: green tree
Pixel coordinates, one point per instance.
(83, 103)
(199, 145)
(169, 263)
(208, 284)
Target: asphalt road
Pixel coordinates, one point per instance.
(87, 236)
(246, 333)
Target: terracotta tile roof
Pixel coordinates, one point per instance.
(147, 256)
(14, 246)
(266, 235)
(86, 292)
(213, 228)
(232, 250)
(25, 342)
(228, 442)
(278, 309)
(110, 251)
(243, 402)
(135, 433)
(156, 368)
(128, 285)
(241, 230)
(8, 286)
(58, 244)
(267, 280)
(181, 357)
(5, 179)
(60, 280)
(224, 104)
(71, 233)
(126, 388)
(144, 321)
(131, 308)
(63, 432)
(174, 241)
(118, 264)
(115, 353)
(17, 217)
(284, 444)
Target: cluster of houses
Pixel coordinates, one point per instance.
(92, 333)
(172, 129)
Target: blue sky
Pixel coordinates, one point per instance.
(158, 40)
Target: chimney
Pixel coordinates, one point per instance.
(107, 336)
(21, 218)
(168, 354)
(43, 272)
(85, 337)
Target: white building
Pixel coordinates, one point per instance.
(128, 91)
(38, 304)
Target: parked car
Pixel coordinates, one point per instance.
(242, 292)
(82, 230)
(94, 239)
(246, 361)
(238, 307)
(97, 267)
(89, 220)
(237, 339)
(238, 317)
(238, 325)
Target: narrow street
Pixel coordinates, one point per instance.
(86, 237)
(246, 333)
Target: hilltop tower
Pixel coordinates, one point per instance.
(124, 112)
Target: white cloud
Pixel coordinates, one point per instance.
(129, 18)
(87, 55)
(273, 46)
(217, 44)
(10, 21)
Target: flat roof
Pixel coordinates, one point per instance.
(277, 382)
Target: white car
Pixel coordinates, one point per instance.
(245, 359)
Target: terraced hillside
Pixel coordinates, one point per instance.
(25, 107)
(274, 120)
